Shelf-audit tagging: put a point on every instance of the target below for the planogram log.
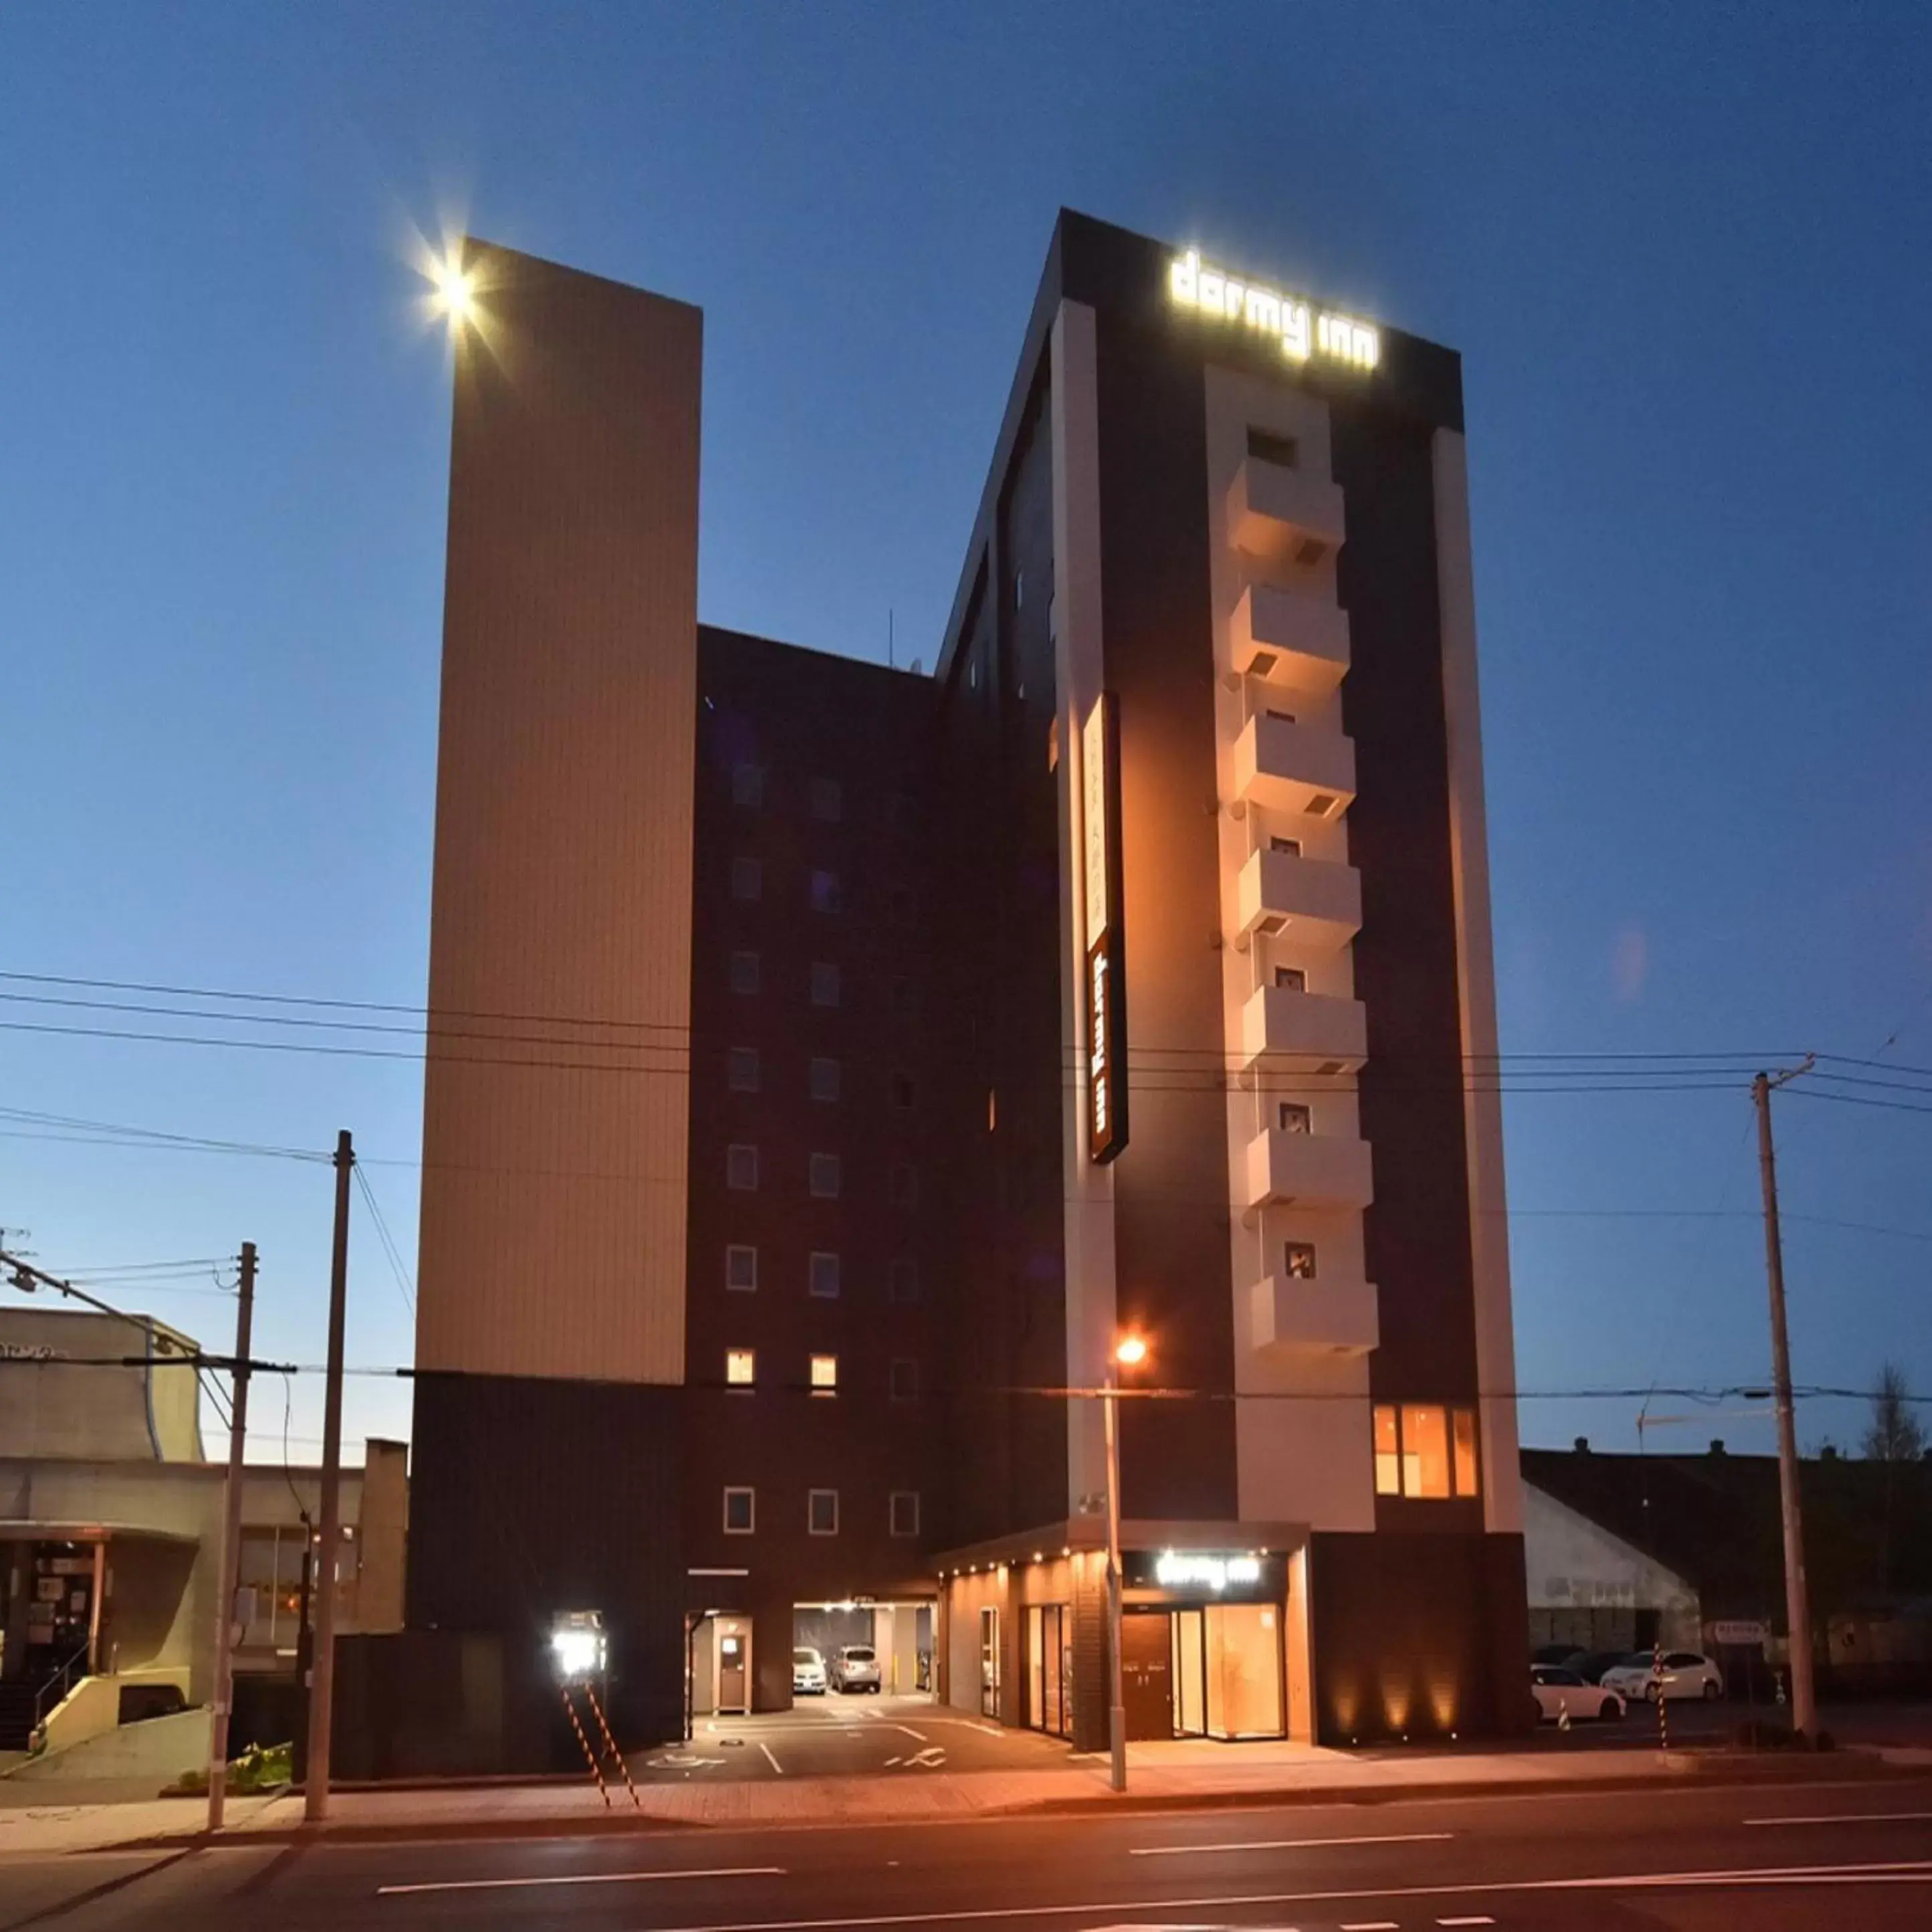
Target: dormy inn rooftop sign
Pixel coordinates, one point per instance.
(1304, 331)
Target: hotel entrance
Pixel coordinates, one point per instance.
(1195, 1663)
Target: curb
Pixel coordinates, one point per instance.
(1711, 1773)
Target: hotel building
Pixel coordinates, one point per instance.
(827, 1062)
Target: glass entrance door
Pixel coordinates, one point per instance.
(989, 1661)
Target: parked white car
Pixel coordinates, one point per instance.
(855, 1667)
(1561, 1693)
(1685, 1674)
(808, 1672)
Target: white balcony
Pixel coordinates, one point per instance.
(1282, 514)
(1309, 1171)
(1295, 639)
(1290, 1317)
(1308, 1033)
(1313, 902)
(1285, 766)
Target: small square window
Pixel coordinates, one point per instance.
(821, 1512)
(741, 1168)
(825, 897)
(824, 1176)
(1292, 847)
(905, 1513)
(905, 1381)
(1322, 804)
(824, 983)
(744, 1070)
(1291, 979)
(748, 786)
(739, 1365)
(744, 972)
(740, 1511)
(828, 801)
(905, 1185)
(1388, 1453)
(905, 998)
(822, 1276)
(902, 1092)
(905, 1280)
(825, 1374)
(1272, 449)
(1296, 1118)
(748, 878)
(741, 1268)
(825, 1079)
(1298, 1258)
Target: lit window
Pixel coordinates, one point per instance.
(741, 1168)
(825, 1079)
(821, 1512)
(828, 801)
(905, 1280)
(905, 1185)
(740, 1511)
(824, 1176)
(739, 1367)
(1296, 1119)
(905, 1380)
(905, 1513)
(1388, 1454)
(748, 878)
(748, 786)
(1291, 979)
(825, 1374)
(822, 1276)
(744, 972)
(825, 892)
(741, 1268)
(1425, 1451)
(1291, 846)
(902, 1092)
(824, 983)
(1462, 1426)
(1298, 1260)
(744, 1070)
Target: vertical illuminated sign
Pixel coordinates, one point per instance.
(1106, 988)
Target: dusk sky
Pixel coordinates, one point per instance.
(1683, 253)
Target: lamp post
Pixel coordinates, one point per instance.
(1128, 1352)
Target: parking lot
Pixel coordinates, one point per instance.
(849, 1736)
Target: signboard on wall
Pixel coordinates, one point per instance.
(1106, 980)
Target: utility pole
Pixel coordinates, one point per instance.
(1797, 1596)
(322, 1670)
(231, 1550)
(1116, 1707)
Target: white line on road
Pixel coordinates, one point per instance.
(1915, 1872)
(1372, 1925)
(1289, 1844)
(769, 1759)
(1474, 1918)
(1850, 1818)
(909, 1732)
(576, 1878)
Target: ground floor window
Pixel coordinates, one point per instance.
(1226, 1671)
(989, 1662)
(1050, 1669)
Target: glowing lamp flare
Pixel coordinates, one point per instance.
(455, 292)
(1130, 1351)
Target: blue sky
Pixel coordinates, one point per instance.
(1683, 251)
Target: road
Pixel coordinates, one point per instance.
(1773, 1859)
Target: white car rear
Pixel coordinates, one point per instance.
(1561, 1693)
(856, 1668)
(1685, 1674)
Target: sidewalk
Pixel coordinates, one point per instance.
(1160, 1777)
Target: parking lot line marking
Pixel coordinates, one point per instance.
(769, 1759)
(1372, 1925)
(575, 1878)
(910, 1733)
(1289, 1844)
(1850, 1818)
(1473, 1919)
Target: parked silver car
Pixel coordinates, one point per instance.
(1685, 1673)
(855, 1667)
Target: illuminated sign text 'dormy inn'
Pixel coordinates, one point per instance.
(1304, 331)
(1106, 992)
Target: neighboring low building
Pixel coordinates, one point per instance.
(110, 1530)
(1588, 1587)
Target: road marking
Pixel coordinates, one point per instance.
(1474, 1918)
(1850, 1818)
(1372, 1925)
(575, 1878)
(1289, 1844)
(909, 1732)
(769, 1759)
(1913, 1872)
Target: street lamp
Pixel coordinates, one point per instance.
(1129, 1351)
